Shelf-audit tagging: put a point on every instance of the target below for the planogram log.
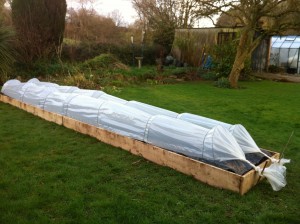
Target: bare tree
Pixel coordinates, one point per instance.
(117, 17)
(87, 25)
(259, 18)
(86, 4)
(162, 17)
(226, 20)
(182, 13)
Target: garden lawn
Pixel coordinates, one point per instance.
(49, 174)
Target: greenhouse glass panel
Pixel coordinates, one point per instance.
(276, 45)
(274, 56)
(277, 41)
(285, 53)
(293, 58)
(283, 57)
(295, 45)
(287, 44)
(290, 38)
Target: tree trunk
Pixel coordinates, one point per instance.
(241, 55)
(237, 67)
(249, 41)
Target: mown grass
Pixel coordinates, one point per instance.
(49, 174)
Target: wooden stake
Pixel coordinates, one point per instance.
(281, 154)
(262, 172)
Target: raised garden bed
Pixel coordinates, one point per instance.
(201, 171)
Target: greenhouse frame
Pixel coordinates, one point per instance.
(285, 53)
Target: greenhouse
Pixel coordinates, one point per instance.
(217, 143)
(285, 53)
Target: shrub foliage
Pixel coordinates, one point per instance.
(39, 26)
(224, 56)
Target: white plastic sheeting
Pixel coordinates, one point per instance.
(239, 132)
(63, 89)
(242, 136)
(182, 137)
(202, 121)
(275, 174)
(56, 102)
(88, 92)
(37, 82)
(153, 110)
(36, 95)
(108, 115)
(215, 144)
(98, 95)
(187, 134)
(66, 89)
(112, 98)
(83, 108)
(123, 120)
(15, 89)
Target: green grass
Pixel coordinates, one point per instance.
(49, 174)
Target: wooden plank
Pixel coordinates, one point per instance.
(10, 101)
(52, 117)
(2, 98)
(29, 108)
(203, 172)
(251, 178)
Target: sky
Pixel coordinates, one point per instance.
(104, 7)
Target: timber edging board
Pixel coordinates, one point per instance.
(203, 172)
